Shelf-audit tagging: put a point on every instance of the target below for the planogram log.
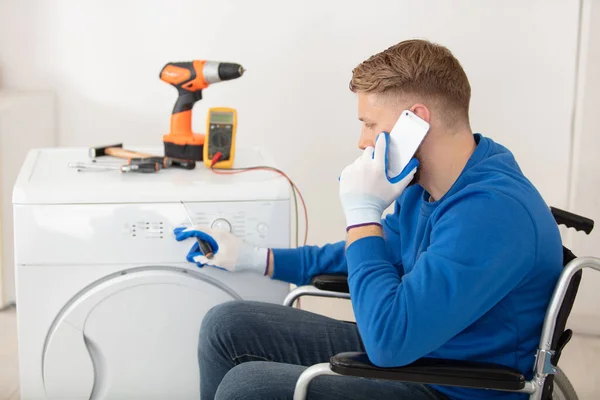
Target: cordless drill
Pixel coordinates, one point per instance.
(190, 78)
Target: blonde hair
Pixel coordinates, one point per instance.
(419, 68)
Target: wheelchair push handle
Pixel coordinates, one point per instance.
(571, 220)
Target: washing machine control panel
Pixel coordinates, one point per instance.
(142, 233)
(252, 224)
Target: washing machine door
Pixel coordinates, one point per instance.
(131, 335)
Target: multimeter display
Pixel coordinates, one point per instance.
(221, 135)
(221, 118)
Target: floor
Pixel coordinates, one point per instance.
(580, 362)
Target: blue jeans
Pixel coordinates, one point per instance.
(251, 350)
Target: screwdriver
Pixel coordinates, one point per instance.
(139, 168)
(205, 247)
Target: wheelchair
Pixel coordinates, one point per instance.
(548, 382)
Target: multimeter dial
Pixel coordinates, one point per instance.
(220, 140)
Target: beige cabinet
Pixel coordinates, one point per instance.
(27, 120)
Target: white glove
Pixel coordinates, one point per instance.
(366, 190)
(230, 252)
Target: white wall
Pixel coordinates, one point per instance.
(585, 193)
(102, 58)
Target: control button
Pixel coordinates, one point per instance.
(262, 228)
(221, 225)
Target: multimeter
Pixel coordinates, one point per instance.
(221, 125)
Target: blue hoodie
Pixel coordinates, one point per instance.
(467, 277)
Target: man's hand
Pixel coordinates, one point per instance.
(230, 252)
(365, 189)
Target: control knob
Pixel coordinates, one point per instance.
(221, 224)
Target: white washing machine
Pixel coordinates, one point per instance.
(107, 306)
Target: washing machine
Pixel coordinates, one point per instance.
(107, 305)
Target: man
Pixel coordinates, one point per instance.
(463, 268)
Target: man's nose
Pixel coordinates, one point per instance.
(365, 142)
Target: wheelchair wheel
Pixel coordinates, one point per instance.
(563, 389)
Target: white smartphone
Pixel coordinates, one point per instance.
(405, 139)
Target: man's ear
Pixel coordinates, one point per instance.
(422, 112)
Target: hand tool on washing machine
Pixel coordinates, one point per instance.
(205, 247)
(137, 157)
(190, 78)
(139, 168)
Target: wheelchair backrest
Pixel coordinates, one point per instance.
(566, 307)
(560, 336)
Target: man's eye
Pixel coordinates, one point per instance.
(370, 126)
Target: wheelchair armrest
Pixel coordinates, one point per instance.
(433, 371)
(332, 283)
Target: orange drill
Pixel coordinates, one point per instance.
(190, 78)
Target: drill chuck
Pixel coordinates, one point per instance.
(228, 71)
(215, 71)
